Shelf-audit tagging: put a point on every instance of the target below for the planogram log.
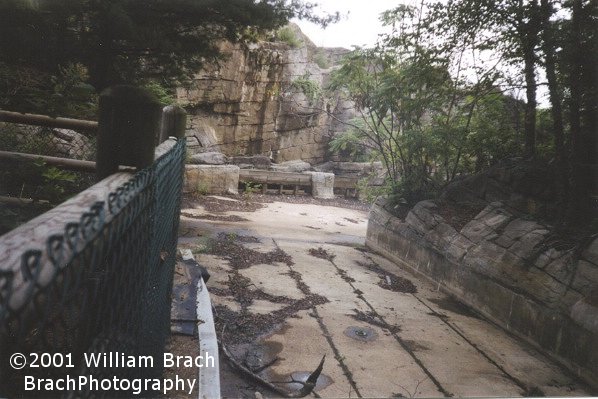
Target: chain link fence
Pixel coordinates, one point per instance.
(103, 285)
(39, 140)
(39, 185)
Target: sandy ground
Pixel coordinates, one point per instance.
(293, 282)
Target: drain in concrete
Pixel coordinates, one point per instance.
(363, 334)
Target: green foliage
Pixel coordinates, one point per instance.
(202, 188)
(51, 51)
(426, 126)
(54, 183)
(66, 93)
(251, 188)
(320, 60)
(310, 88)
(288, 36)
(369, 193)
(38, 181)
(349, 145)
(163, 94)
(559, 39)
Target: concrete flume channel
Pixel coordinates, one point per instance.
(384, 331)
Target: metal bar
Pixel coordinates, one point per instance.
(48, 121)
(65, 163)
(22, 201)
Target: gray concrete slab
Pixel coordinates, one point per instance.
(414, 344)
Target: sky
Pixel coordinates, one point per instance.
(359, 24)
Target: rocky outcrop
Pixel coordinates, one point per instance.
(260, 101)
(515, 270)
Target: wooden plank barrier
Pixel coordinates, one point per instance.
(270, 177)
(294, 179)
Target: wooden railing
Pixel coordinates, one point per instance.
(48, 121)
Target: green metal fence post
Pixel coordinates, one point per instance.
(129, 122)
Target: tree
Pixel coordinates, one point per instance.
(581, 61)
(426, 124)
(510, 28)
(561, 38)
(133, 41)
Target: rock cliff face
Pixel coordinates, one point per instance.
(261, 100)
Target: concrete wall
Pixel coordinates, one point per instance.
(211, 179)
(503, 266)
(224, 179)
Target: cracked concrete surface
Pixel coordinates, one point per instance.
(425, 344)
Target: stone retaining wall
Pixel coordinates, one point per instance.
(505, 267)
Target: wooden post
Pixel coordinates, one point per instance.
(128, 127)
(174, 123)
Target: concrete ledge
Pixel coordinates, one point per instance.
(211, 179)
(209, 377)
(322, 185)
(554, 332)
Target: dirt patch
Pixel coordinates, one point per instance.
(344, 275)
(182, 345)
(390, 281)
(397, 284)
(248, 239)
(372, 319)
(457, 215)
(240, 288)
(414, 346)
(244, 327)
(239, 257)
(219, 205)
(454, 306)
(351, 220)
(321, 253)
(219, 218)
